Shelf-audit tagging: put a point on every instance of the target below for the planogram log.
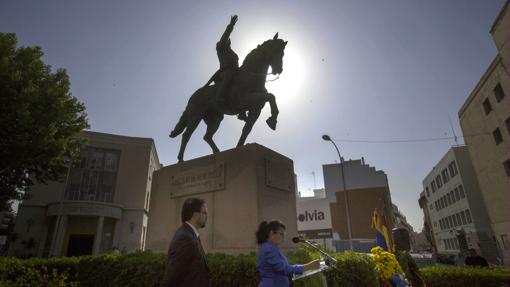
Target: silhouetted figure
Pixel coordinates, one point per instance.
(474, 259)
(244, 91)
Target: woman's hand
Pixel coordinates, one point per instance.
(312, 265)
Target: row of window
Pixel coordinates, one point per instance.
(498, 137)
(443, 177)
(94, 179)
(451, 244)
(450, 198)
(498, 93)
(455, 220)
(487, 107)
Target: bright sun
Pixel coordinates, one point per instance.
(287, 88)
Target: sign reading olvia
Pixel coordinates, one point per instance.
(314, 217)
(198, 180)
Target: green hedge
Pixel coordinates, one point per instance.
(446, 276)
(147, 269)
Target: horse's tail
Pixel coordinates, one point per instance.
(181, 125)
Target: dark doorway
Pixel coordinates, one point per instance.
(80, 245)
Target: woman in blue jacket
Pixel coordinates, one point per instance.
(273, 267)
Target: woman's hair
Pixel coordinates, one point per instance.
(265, 227)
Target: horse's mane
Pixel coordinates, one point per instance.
(255, 54)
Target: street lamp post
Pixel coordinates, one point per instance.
(347, 210)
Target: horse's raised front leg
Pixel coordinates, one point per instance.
(271, 121)
(213, 122)
(253, 115)
(192, 125)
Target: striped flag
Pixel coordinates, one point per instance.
(382, 235)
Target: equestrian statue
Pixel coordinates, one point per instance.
(233, 90)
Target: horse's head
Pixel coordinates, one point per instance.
(274, 51)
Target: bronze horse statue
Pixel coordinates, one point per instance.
(247, 93)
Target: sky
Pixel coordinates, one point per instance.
(356, 70)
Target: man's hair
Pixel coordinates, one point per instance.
(190, 206)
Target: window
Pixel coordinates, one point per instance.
(463, 217)
(435, 224)
(497, 136)
(431, 207)
(452, 196)
(455, 243)
(446, 244)
(450, 221)
(506, 164)
(455, 223)
(437, 205)
(453, 168)
(461, 191)
(444, 174)
(448, 197)
(427, 189)
(457, 195)
(439, 182)
(487, 106)
(433, 186)
(499, 93)
(507, 122)
(443, 202)
(458, 218)
(468, 215)
(504, 241)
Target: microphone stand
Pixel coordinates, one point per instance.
(329, 258)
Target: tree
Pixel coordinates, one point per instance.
(40, 121)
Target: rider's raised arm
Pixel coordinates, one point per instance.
(229, 29)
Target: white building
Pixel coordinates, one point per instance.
(456, 207)
(314, 218)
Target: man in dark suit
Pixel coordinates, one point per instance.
(186, 263)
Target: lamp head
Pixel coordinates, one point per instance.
(326, 138)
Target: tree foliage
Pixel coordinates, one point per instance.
(40, 121)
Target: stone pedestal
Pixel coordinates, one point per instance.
(241, 187)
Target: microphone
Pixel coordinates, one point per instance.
(296, 239)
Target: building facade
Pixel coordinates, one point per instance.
(366, 189)
(485, 122)
(458, 217)
(102, 205)
(428, 232)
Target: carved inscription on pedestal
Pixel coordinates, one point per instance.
(198, 180)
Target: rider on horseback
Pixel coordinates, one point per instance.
(229, 66)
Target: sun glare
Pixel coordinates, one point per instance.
(288, 86)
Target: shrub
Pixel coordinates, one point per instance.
(147, 269)
(445, 276)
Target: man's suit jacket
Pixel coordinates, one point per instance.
(186, 263)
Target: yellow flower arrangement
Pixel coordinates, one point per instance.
(386, 263)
